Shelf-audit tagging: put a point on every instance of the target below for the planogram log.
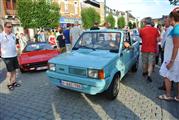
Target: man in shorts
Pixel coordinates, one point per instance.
(150, 37)
(9, 54)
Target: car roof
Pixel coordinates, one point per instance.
(105, 30)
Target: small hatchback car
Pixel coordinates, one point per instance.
(97, 62)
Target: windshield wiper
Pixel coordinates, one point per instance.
(88, 47)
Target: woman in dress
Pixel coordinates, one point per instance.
(170, 67)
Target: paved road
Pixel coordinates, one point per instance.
(38, 99)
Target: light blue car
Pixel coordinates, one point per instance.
(97, 63)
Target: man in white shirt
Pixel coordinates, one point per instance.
(9, 54)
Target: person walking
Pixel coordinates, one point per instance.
(169, 69)
(9, 54)
(150, 37)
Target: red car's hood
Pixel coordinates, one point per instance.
(37, 56)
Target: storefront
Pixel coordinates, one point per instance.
(64, 21)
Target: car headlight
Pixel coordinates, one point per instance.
(52, 67)
(96, 74)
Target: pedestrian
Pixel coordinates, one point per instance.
(150, 37)
(170, 67)
(168, 29)
(95, 26)
(159, 27)
(9, 54)
(75, 33)
(66, 33)
(61, 41)
(52, 40)
(22, 41)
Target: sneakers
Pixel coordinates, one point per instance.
(149, 79)
(145, 73)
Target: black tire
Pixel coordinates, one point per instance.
(113, 90)
(135, 67)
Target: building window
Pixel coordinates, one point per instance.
(76, 7)
(66, 4)
(8, 4)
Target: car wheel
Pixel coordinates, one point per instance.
(135, 67)
(113, 89)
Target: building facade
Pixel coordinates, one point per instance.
(8, 11)
(70, 11)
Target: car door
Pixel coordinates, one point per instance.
(127, 54)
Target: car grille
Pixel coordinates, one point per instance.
(77, 71)
(38, 64)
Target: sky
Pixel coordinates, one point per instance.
(142, 8)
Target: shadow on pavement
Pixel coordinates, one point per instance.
(138, 83)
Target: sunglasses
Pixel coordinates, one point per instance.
(9, 26)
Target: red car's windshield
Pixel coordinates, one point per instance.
(37, 46)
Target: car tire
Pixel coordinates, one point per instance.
(113, 90)
(135, 67)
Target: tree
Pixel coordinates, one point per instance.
(174, 2)
(134, 25)
(121, 22)
(142, 24)
(38, 13)
(111, 20)
(89, 16)
(130, 24)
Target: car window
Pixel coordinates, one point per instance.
(37, 46)
(127, 40)
(99, 40)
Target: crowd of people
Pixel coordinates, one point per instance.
(160, 41)
(165, 43)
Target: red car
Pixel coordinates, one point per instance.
(35, 56)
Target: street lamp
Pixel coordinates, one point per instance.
(104, 10)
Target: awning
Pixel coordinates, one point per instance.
(70, 20)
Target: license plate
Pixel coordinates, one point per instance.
(42, 68)
(71, 84)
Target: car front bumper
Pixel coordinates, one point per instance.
(85, 85)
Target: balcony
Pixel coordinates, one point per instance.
(11, 12)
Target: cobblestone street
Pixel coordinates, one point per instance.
(38, 99)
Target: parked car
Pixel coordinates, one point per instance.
(35, 56)
(135, 35)
(97, 63)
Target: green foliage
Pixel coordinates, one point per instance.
(130, 25)
(134, 25)
(38, 13)
(111, 20)
(142, 24)
(89, 16)
(121, 22)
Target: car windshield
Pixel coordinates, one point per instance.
(99, 40)
(37, 46)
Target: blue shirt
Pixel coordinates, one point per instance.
(67, 36)
(175, 31)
